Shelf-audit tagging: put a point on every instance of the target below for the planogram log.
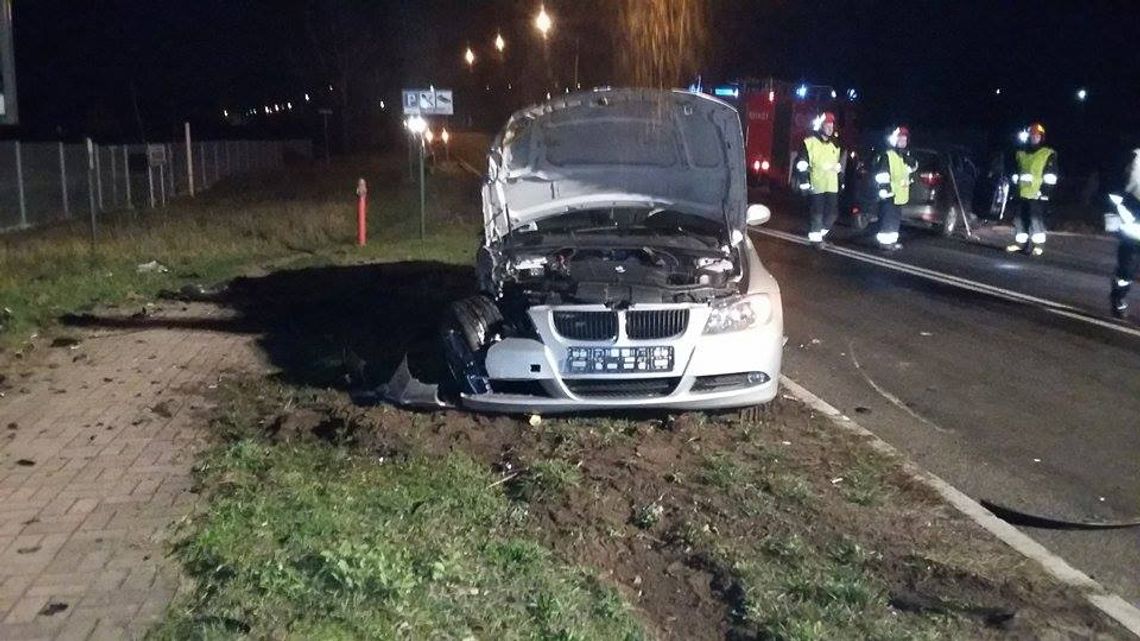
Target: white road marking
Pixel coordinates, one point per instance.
(1111, 604)
(1053, 307)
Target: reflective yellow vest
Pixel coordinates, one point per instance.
(900, 177)
(824, 160)
(1032, 163)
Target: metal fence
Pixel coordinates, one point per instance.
(46, 182)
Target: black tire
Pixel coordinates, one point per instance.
(467, 328)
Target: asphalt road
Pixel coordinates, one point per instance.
(1005, 400)
(1008, 401)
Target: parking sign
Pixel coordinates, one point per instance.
(428, 102)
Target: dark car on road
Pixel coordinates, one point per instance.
(942, 190)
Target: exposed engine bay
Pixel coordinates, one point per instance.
(617, 265)
(617, 275)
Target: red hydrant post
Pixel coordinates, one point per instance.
(361, 213)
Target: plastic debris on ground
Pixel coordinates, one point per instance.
(153, 267)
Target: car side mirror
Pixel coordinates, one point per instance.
(758, 214)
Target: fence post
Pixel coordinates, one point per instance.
(189, 159)
(20, 182)
(63, 180)
(150, 177)
(162, 183)
(217, 163)
(205, 182)
(99, 177)
(114, 178)
(91, 189)
(127, 174)
(170, 174)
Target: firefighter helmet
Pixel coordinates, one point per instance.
(899, 132)
(1035, 128)
(821, 119)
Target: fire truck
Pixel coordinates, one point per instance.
(777, 116)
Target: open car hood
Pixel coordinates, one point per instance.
(617, 148)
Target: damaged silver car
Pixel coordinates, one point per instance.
(616, 270)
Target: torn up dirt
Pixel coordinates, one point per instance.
(765, 524)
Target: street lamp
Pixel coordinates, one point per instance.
(1082, 94)
(500, 44)
(542, 21)
(416, 124)
(469, 56)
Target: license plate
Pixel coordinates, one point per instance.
(618, 360)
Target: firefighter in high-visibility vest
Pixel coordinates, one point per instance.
(819, 174)
(894, 170)
(1127, 228)
(1033, 182)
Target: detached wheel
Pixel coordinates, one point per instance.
(467, 328)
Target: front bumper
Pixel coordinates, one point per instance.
(540, 366)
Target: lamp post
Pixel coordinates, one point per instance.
(418, 126)
(469, 58)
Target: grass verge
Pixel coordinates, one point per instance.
(759, 526)
(311, 540)
(303, 214)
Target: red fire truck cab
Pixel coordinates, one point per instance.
(777, 116)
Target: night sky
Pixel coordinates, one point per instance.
(83, 66)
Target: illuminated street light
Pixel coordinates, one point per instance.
(444, 136)
(469, 56)
(1082, 94)
(225, 113)
(306, 97)
(416, 124)
(997, 92)
(429, 136)
(500, 44)
(542, 21)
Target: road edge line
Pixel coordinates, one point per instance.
(1044, 304)
(1111, 604)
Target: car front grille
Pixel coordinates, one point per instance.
(622, 388)
(587, 326)
(656, 323)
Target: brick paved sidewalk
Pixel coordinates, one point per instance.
(96, 448)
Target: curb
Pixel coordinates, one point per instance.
(1111, 604)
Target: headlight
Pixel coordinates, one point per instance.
(740, 315)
